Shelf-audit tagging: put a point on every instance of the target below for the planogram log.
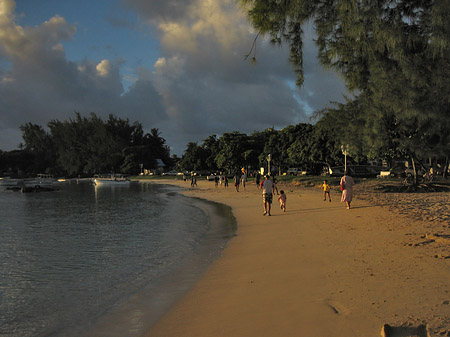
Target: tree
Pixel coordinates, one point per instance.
(232, 147)
(256, 155)
(211, 147)
(393, 54)
(344, 126)
(193, 158)
(153, 147)
(17, 163)
(86, 146)
(299, 148)
(83, 145)
(39, 144)
(134, 156)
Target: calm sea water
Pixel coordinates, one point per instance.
(78, 261)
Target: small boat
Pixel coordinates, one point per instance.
(36, 188)
(111, 180)
(7, 181)
(42, 180)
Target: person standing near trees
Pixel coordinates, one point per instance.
(274, 182)
(258, 179)
(193, 180)
(347, 183)
(244, 179)
(266, 186)
(216, 180)
(237, 181)
(326, 191)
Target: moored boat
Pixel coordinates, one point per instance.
(111, 180)
(7, 181)
(43, 182)
(36, 188)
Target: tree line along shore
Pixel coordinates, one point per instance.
(394, 57)
(85, 146)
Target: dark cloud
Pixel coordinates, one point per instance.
(142, 103)
(41, 85)
(210, 89)
(200, 86)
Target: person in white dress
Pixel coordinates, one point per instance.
(347, 183)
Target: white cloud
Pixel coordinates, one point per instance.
(103, 68)
(200, 85)
(40, 84)
(7, 7)
(206, 85)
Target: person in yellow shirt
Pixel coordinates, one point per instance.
(326, 191)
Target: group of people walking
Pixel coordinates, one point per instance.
(239, 180)
(221, 179)
(268, 186)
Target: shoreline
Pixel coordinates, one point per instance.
(136, 314)
(317, 270)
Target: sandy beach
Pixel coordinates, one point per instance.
(322, 270)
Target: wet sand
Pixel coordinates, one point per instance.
(322, 270)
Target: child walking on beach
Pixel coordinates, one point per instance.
(326, 191)
(282, 199)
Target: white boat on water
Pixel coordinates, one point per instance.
(111, 180)
(42, 179)
(42, 183)
(8, 182)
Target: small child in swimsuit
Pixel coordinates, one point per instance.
(282, 199)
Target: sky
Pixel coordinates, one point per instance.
(174, 65)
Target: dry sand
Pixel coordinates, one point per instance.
(320, 270)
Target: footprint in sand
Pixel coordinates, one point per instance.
(440, 238)
(442, 256)
(432, 238)
(337, 308)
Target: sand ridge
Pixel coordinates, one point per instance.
(321, 270)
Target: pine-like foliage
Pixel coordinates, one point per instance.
(394, 55)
